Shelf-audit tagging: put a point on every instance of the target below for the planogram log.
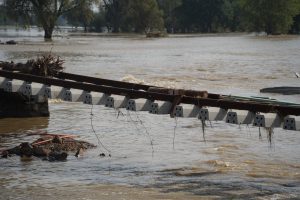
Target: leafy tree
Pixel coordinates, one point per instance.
(231, 19)
(169, 10)
(200, 15)
(144, 16)
(3, 16)
(82, 14)
(133, 15)
(114, 9)
(271, 16)
(295, 29)
(98, 21)
(46, 12)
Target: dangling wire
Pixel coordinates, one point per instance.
(137, 128)
(270, 134)
(174, 134)
(211, 126)
(259, 131)
(146, 130)
(93, 129)
(203, 129)
(118, 112)
(248, 128)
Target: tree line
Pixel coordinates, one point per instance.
(172, 16)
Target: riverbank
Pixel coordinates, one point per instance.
(67, 31)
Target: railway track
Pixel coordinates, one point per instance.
(256, 111)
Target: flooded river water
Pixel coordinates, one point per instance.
(233, 162)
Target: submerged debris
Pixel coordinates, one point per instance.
(47, 65)
(11, 42)
(50, 147)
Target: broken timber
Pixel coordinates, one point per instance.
(137, 97)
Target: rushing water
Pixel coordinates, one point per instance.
(232, 163)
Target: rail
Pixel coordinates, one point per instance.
(177, 103)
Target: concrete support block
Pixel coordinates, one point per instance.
(38, 89)
(6, 85)
(48, 92)
(26, 89)
(186, 110)
(240, 117)
(203, 114)
(95, 98)
(73, 95)
(116, 101)
(212, 114)
(3, 82)
(63, 94)
(160, 107)
(268, 120)
(138, 105)
(54, 92)
(291, 123)
(15, 86)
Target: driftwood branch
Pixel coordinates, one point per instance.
(42, 66)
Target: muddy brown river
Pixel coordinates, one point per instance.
(233, 163)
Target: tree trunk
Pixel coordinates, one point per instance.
(48, 33)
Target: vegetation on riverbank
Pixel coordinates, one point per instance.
(173, 16)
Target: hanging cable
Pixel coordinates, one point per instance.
(93, 129)
(137, 128)
(174, 134)
(146, 130)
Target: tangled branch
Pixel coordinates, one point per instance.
(47, 65)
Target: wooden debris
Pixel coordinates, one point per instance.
(51, 148)
(190, 93)
(47, 65)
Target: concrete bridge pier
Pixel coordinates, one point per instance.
(14, 104)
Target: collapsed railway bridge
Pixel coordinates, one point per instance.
(26, 95)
